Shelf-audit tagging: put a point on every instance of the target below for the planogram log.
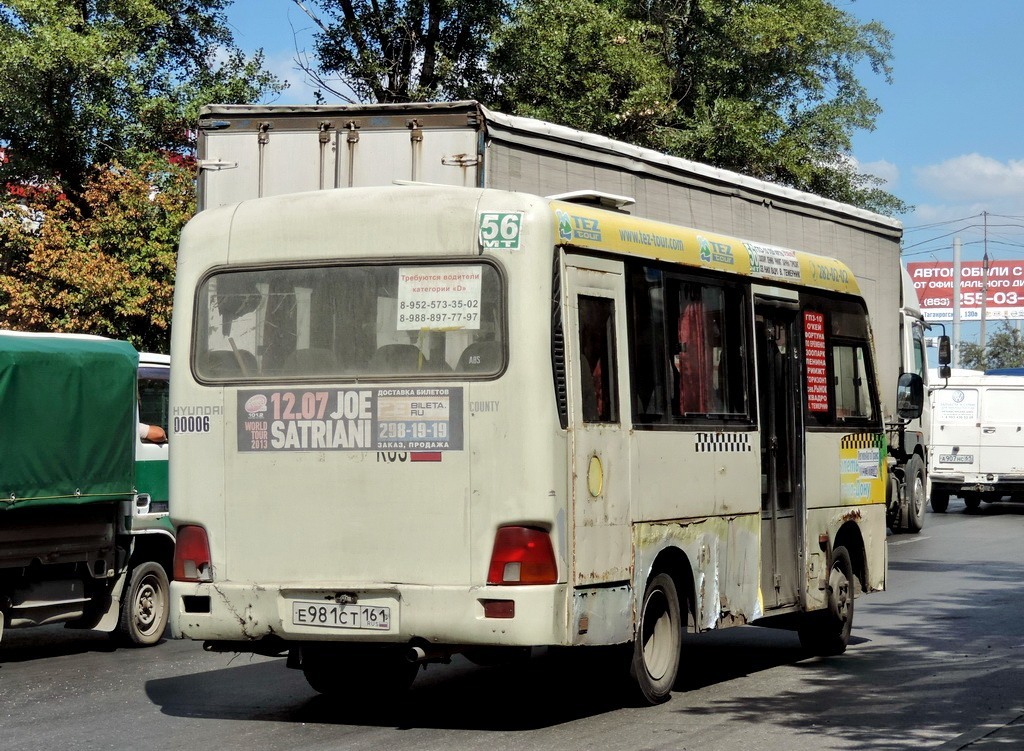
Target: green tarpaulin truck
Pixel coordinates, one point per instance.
(83, 541)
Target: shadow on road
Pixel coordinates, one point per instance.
(23, 645)
(936, 663)
(549, 689)
(999, 508)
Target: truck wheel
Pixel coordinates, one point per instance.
(939, 500)
(144, 606)
(972, 501)
(828, 632)
(359, 676)
(915, 494)
(658, 640)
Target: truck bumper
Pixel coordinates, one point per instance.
(980, 482)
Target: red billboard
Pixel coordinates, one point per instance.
(1003, 289)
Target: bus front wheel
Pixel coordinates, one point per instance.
(827, 632)
(656, 648)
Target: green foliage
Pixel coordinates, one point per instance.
(583, 63)
(86, 82)
(406, 50)
(1004, 349)
(767, 88)
(107, 268)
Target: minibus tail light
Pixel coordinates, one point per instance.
(192, 555)
(522, 555)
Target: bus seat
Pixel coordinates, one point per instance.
(398, 358)
(312, 361)
(224, 363)
(480, 356)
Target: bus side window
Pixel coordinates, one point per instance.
(599, 381)
(846, 348)
(853, 395)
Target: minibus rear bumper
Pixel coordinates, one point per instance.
(388, 614)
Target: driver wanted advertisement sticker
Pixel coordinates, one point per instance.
(378, 419)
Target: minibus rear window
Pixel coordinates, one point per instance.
(352, 322)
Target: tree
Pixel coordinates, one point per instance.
(1004, 349)
(107, 269)
(404, 50)
(767, 88)
(85, 82)
(595, 69)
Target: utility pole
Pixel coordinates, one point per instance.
(984, 286)
(956, 303)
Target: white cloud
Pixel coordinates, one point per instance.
(884, 170)
(974, 178)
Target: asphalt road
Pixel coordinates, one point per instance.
(936, 662)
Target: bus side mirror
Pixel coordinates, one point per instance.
(910, 396)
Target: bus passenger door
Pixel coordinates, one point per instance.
(597, 373)
(778, 361)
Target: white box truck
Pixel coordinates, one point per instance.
(978, 440)
(254, 151)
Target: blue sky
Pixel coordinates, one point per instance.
(949, 139)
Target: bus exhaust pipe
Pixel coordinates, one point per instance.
(423, 655)
(416, 654)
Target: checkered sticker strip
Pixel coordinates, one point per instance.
(721, 442)
(862, 441)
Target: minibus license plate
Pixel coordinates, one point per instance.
(333, 615)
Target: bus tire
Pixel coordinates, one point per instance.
(972, 501)
(828, 632)
(915, 494)
(144, 606)
(656, 648)
(359, 676)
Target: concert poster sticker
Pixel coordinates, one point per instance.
(815, 362)
(439, 297)
(378, 419)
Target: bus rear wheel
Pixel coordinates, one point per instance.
(361, 676)
(656, 648)
(828, 632)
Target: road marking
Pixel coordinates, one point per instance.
(906, 540)
(980, 732)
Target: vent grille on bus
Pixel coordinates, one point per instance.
(558, 345)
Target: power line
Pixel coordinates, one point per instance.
(940, 224)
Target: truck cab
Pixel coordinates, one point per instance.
(84, 534)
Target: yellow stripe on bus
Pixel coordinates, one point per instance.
(594, 229)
